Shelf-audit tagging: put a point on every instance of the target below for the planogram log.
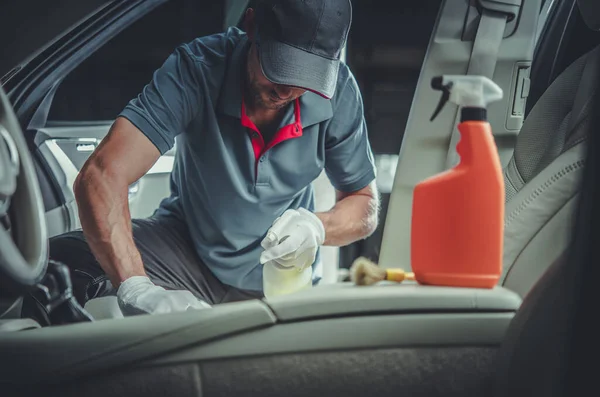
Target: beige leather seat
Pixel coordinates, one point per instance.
(543, 177)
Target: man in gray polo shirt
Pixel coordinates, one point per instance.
(256, 116)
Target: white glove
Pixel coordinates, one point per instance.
(294, 239)
(138, 295)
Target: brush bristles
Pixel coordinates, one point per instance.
(365, 272)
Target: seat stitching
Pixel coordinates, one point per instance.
(545, 186)
(576, 142)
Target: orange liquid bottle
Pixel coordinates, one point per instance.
(458, 215)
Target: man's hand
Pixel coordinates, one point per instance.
(294, 239)
(138, 295)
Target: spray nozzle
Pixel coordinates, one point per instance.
(437, 83)
(466, 91)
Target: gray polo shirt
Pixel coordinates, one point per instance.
(227, 183)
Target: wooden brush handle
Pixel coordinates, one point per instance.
(398, 275)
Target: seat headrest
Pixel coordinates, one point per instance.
(590, 12)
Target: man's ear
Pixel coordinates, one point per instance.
(249, 23)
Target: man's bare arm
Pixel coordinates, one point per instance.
(354, 216)
(101, 191)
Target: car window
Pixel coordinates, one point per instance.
(101, 86)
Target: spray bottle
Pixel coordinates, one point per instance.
(458, 215)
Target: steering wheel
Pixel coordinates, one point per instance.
(23, 247)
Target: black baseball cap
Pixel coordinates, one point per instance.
(300, 41)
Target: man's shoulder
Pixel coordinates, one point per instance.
(347, 88)
(215, 48)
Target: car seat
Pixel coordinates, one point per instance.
(543, 177)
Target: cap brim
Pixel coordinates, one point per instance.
(287, 65)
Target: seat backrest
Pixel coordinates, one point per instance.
(543, 177)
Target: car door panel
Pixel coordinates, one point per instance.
(65, 149)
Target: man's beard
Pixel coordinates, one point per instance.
(255, 90)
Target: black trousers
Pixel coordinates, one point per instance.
(169, 258)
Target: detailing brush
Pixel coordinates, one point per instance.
(365, 272)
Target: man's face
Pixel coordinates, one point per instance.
(262, 92)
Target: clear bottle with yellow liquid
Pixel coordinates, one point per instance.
(285, 280)
(281, 280)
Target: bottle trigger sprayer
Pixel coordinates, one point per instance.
(473, 93)
(458, 215)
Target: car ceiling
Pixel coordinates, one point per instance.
(29, 26)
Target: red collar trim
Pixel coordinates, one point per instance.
(290, 131)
